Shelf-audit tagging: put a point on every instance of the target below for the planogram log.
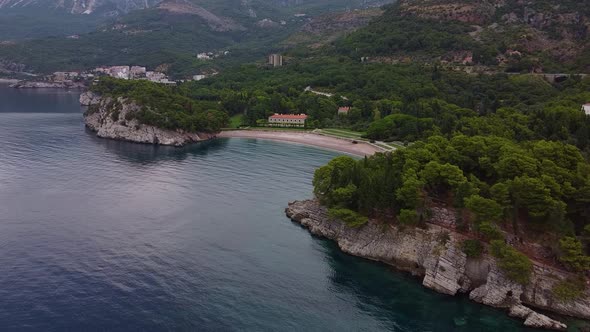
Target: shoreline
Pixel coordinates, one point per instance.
(360, 149)
(9, 80)
(444, 268)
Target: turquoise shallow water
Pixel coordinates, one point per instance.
(104, 235)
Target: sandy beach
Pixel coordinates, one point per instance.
(360, 149)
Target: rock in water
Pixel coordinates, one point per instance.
(535, 319)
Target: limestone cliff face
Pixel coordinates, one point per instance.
(113, 118)
(435, 254)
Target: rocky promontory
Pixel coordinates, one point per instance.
(114, 118)
(435, 255)
(47, 85)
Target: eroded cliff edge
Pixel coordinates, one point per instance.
(434, 254)
(114, 119)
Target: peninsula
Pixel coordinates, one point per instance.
(434, 254)
(145, 112)
(491, 229)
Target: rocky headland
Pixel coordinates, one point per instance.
(434, 254)
(47, 85)
(114, 118)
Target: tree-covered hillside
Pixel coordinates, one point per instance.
(168, 33)
(548, 36)
(162, 106)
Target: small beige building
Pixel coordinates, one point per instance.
(287, 120)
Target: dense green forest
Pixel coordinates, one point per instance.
(403, 102)
(534, 189)
(162, 106)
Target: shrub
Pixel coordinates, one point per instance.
(572, 254)
(490, 231)
(344, 196)
(115, 115)
(91, 110)
(351, 218)
(513, 263)
(569, 289)
(443, 238)
(407, 217)
(472, 248)
(484, 209)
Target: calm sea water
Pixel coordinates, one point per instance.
(102, 235)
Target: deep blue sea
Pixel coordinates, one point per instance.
(99, 235)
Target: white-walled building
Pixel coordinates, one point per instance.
(287, 120)
(586, 109)
(119, 72)
(203, 56)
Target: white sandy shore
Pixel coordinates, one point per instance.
(8, 80)
(307, 138)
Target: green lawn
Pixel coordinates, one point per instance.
(236, 121)
(396, 145)
(344, 133)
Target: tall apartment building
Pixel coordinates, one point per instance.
(275, 60)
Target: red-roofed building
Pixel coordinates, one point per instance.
(343, 110)
(287, 120)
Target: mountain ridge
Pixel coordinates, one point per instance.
(110, 7)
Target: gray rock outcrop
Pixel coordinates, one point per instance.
(535, 319)
(89, 98)
(435, 254)
(114, 119)
(47, 85)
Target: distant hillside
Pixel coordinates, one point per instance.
(168, 33)
(327, 28)
(107, 7)
(125, 6)
(542, 36)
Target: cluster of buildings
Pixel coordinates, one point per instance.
(120, 72)
(211, 55)
(134, 73)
